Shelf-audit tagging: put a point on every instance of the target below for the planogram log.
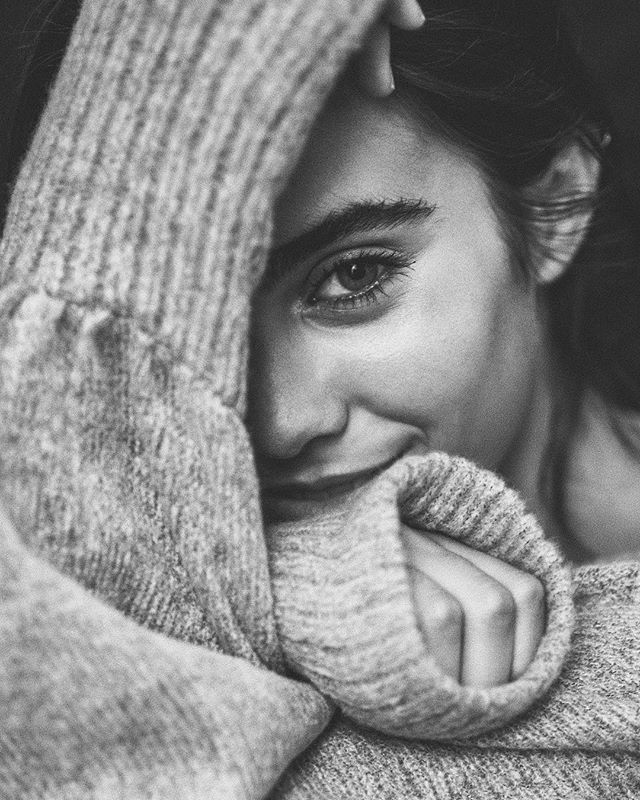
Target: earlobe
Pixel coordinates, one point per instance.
(565, 194)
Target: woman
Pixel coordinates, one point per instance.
(520, 148)
(446, 267)
(136, 231)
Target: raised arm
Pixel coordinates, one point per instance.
(138, 225)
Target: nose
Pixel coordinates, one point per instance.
(293, 399)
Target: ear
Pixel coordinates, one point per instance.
(573, 172)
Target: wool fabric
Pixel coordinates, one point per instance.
(142, 631)
(345, 614)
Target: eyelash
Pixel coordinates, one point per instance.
(396, 265)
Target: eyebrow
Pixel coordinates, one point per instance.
(369, 216)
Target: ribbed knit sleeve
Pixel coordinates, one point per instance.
(137, 228)
(345, 621)
(148, 185)
(345, 614)
(96, 707)
(580, 741)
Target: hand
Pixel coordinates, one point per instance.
(482, 618)
(373, 65)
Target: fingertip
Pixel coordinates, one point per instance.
(374, 65)
(405, 14)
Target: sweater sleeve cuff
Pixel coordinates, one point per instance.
(345, 615)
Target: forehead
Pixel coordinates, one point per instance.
(365, 149)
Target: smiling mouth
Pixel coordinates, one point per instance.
(325, 488)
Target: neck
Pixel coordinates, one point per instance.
(523, 467)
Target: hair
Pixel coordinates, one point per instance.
(500, 78)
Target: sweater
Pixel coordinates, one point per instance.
(150, 629)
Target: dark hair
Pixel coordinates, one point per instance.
(500, 78)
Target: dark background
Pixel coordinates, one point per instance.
(33, 36)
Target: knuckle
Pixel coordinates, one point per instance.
(497, 606)
(446, 614)
(530, 592)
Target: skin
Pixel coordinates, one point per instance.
(603, 482)
(450, 356)
(373, 67)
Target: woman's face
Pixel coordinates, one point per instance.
(391, 320)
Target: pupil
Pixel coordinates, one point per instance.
(357, 275)
(357, 272)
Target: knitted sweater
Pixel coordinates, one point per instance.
(144, 619)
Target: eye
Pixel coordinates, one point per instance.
(354, 282)
(351, 277)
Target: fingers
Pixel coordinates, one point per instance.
(483, 619)
(440, 619)
(405, 14)
(488, 610)
(373, 65)
(526, 590)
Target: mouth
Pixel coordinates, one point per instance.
(330, 484)
(297, 498)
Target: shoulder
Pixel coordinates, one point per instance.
(603, 479)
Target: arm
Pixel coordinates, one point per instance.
(580, 740)
(138, 225)
(96, 706)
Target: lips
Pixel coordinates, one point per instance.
(322, 487)
(296, 499)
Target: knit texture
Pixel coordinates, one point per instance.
(580, 742)
(138, 227)
(345, 614)
(96, 706)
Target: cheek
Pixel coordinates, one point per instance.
(454, 362)
(409, 364)
(416, 369)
